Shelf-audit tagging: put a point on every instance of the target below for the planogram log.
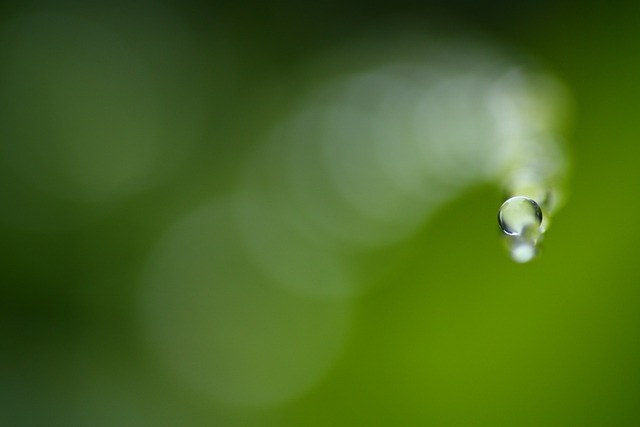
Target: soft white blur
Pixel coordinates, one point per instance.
(248, 299)
(369, 155)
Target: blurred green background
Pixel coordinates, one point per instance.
(131, 293)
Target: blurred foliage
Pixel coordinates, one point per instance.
(450, 332)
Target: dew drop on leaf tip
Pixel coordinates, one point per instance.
(520, 219)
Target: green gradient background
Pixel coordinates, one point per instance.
(460, 335)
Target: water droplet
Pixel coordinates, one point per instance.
(521, 219)
(519, 215)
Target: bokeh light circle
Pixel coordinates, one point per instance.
(225, 329)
